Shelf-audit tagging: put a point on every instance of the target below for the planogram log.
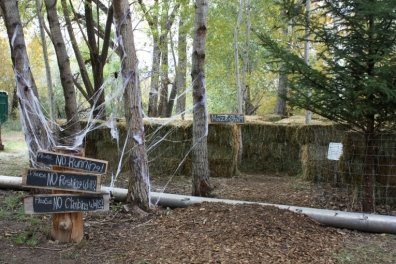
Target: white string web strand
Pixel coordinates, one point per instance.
(114, 88)
(29, 105)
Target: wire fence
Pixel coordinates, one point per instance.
(347, 175)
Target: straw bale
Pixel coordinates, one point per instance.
(169, 147)
(270, 148)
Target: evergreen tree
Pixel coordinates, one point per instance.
(355, 82)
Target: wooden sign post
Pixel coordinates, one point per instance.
(73, 191)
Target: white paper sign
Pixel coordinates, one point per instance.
(335, 151)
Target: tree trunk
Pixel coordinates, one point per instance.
(36, 130)
(159, 39)
(280, 108)
(73, 126)
(47, 69)
(306, 56)
(369, 170)
(171, 101)
(246, 94)
(155, 73)
(236, 49)
(181, 70)
(200, 169)
(14, 104)
(97, 61)
(163, 100)
(139, 185)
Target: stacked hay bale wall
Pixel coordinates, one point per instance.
(169, 147)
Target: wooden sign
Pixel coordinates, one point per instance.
(227, 118)
(66, 203)
(61, 180)
(72, 162)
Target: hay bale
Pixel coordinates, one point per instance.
(269, 148)
(169, 147)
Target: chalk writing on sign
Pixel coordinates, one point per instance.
(72, 162)
(61, 180)
(65, 203)
(227, 118)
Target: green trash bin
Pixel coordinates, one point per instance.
(3, 107)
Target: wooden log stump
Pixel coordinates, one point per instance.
(67, 227)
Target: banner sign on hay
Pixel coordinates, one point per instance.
(227, 118)
(72, 162)
(41, 204)
(61, 180)
(335, 151)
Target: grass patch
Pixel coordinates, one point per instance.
(29, 238)
(11, 125)
(11, 207)
(70, 255)
(372, 249)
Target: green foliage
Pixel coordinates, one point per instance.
(12, 207)
(11, 125)
(220, 57)
(355, 81)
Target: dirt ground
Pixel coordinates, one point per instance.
(202, 233)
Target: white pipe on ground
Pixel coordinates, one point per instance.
(348, 220)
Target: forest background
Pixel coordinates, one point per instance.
(174, 20)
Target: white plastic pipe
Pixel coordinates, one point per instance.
(348, 220)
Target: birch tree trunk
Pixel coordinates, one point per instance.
(36, 130)
(200, 168)
(163, 100)
(236, 49)
(181, 70)
(66, 76)
(139, 185)
(245, 88)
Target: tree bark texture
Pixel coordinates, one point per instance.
(369, 173)
(280, 108)
(163, 100)
(71, 110)
(247, 103)
(139, 185)
(181, 70)
(36, 130)
(236, 54)
(47, 69)
(200, 170)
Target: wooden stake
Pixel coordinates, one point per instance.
(67, 227)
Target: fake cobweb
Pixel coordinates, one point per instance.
(114, 88)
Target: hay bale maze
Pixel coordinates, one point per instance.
(270, 145)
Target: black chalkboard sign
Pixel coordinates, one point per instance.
(227, 118)
(41, 204)
(61, 180)
(72, 162)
